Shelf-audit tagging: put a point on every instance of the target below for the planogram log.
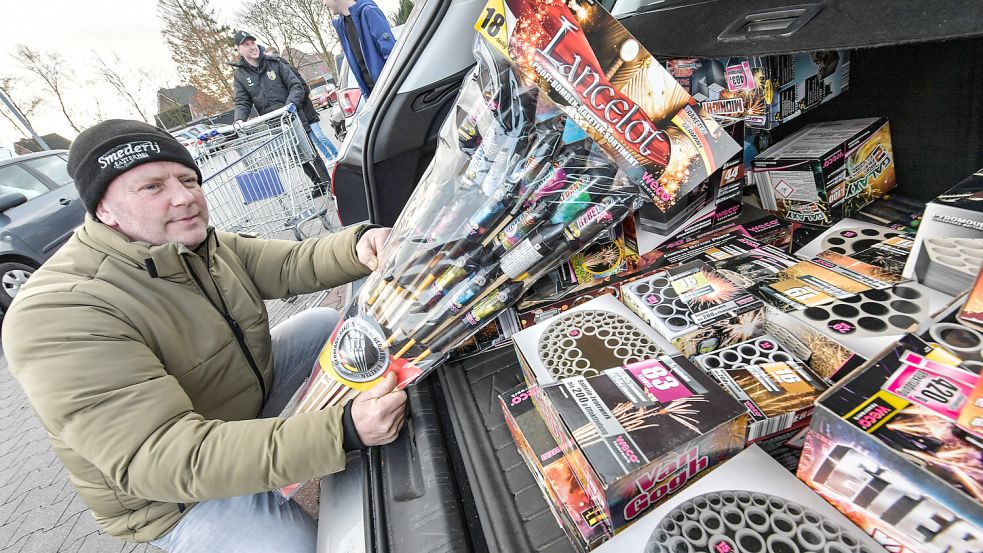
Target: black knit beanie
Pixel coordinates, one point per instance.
(107, 150)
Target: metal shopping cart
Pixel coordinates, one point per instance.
(254, 179)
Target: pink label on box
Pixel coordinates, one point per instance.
(658, 380)
(739, 77)
(940, 368)
(942, 394)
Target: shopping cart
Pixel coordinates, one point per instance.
(254, 180)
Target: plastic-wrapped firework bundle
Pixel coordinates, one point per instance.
(521, 180)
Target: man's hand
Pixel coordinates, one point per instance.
(370, 245)
(378, 413)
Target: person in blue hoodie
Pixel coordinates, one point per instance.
(365, 36)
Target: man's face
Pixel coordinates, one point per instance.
(249, 50)
(158, 202)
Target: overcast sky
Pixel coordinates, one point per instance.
(74, 28)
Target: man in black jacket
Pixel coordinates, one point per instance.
(267, 84)
(317, 135)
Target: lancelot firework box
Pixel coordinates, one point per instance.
(764, 91)
(695, 308)
(900, 471)
(749, 504)
(585, 525)
(826, 171)
(584, 340)
(950, 238)
(638, 434)
(576, 54)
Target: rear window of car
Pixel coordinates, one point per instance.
(53, 167)
(14, 178)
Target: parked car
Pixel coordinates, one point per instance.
(39, 210)
(324, 96)
(350, 95)
(453, 480)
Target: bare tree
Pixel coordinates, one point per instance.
(200, 46)
(53, 72)
(131, 85)
(265, 19)
(26, 104)
(310, 21)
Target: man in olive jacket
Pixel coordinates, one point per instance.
(145, 350)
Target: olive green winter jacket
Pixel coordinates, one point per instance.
(147, 396)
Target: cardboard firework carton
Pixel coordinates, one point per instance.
(638, 434)
(585, 340)
(695, 308)
(576, 53)
(778, 391)
(584, 524)
(764, 91)
(826, 171)
(722, 191)
(747, 504)
(948, 249)
(898, 469)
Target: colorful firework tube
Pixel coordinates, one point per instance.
(538, 156)
(548, 242)
(458, 270)
(469, 288)
(467, 132)
(942, 392)
(488, 215)
(482, 312)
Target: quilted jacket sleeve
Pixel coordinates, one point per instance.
(98, 388)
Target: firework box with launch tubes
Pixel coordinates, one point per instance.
(584, 524)
(891, 461)
(749, 504)
(948, 249)
(695, 308)
(585, 340)
(563, 128)
(636, 435)
(777, 389)
(826, 171)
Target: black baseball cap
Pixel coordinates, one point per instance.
(241, 37)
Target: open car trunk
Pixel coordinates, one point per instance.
(454, 481)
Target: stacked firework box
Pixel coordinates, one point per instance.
(884, 448)
(764, 91)
(948, 248)
(747, 505)
(826, 171)
(695, 308)
(839, 306)
(584, 524)
(636, 425)
(541, 156)
(713, 202)
(777, 389)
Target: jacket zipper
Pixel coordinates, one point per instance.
(234, 326)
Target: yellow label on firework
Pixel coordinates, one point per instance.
(876, 411)
(493, 24)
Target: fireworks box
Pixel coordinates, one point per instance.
(695, 308)
(636, 435)
(899, 470)
(777, 389)
(584, 524)
(764, 91)
(826, 171)
(585, 340)
(722, 191)
(748, 504)
(850, 237)
(948, 248)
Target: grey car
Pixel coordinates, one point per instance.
(39, 210)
